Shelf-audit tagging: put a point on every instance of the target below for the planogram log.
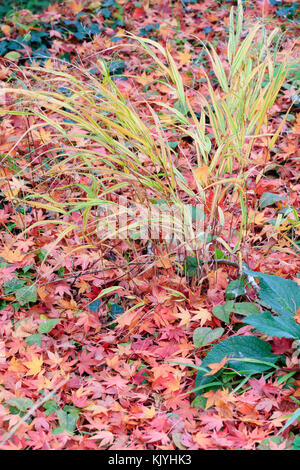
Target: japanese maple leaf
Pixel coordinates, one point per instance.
(138, 12)
(184, 315)
(106, 437)
(86, 361)
(217, 366)
(76, 7)
(25, 245)
(156, 436)
(201, 314)
(54, 33)
(34, 366)
(62, 289)
(222, 400)
(184, 57)
(203, 440)
(6, 273)
(212, 421)
(116, 381)
(11, 255)
(79, 397)
(201, 174)
(16, 366)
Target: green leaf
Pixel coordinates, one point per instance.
(48, 325)
(67, 422)
(205, 335)
(14, 284)
(243, 347)
(50, 406)
(265, 444)
(191, 266)
(34, 339)
(295, 416)
(296, 443)
(268, 199)
(282, 295)
(235, 289)
(223, 311)
(26, 294)
(22, 404)
(199, 402)
(281, 326)
(197, 213)
(13, 55)
(245, 308)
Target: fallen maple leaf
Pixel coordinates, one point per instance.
(34, 366)
(12, 256)
(201, 174)
(217, 366)
(5, 28)
(76, 7)
(184, 57)
(202, 439)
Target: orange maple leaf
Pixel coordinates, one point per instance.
(5, 28)
(165, 261)
(217, 366)
(201, 174)
(16, 366)
(76, 7)
(12, 256)
(202, 439)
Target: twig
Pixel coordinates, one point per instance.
(92, 271)
(32, 410)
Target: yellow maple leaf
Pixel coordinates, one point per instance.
(184, 315)
(201, 314)
(43, 135)
(184, 57)
(34, 366)
(97, 409)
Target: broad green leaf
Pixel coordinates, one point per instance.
(67, 422)
(235, 289)
(282, 295)
(26, 294)
(205, 335)
(268, 199)
(22, 404)
(13, 55)
(50, 406)
(281, 326)
(34, 339)
(239, 347)
(13, 285)
(245, 308)
(48, 325)
(223, 311)
(296, 443)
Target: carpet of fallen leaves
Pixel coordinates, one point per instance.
(115, 386)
